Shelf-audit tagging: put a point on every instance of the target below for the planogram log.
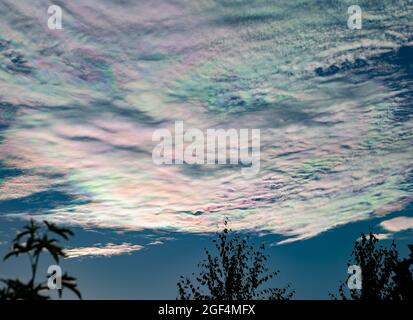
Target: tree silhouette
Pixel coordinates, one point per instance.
(402, 286)
(33, 241)
(237, 272)
(384, 275)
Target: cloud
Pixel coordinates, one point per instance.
(379, 236)
(87, 112)
(383, 236)
(108, 250)
(156, 242)
(398, 224)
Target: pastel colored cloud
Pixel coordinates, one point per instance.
(397, 224)
(107, 250)
(80, 105)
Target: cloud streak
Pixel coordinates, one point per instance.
(107, 250)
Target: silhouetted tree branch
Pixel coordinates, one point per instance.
(32, 241)
(237, 271)
(384, 275)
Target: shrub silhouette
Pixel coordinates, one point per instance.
(237, 272)
(402, 286)
(384, 275)
(32, 241)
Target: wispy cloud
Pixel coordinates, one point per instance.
(108, 250)
(379, 236)
(383, 236)
(156, 242)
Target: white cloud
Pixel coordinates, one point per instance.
(156, 242)
(397, 224)
(379, 236)
(383, 236)
(108, 250)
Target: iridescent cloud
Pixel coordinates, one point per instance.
(86, 100)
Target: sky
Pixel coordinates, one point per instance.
(79, 106)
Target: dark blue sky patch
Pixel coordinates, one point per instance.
(7, 115)
(7, 172)
(37, 203)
